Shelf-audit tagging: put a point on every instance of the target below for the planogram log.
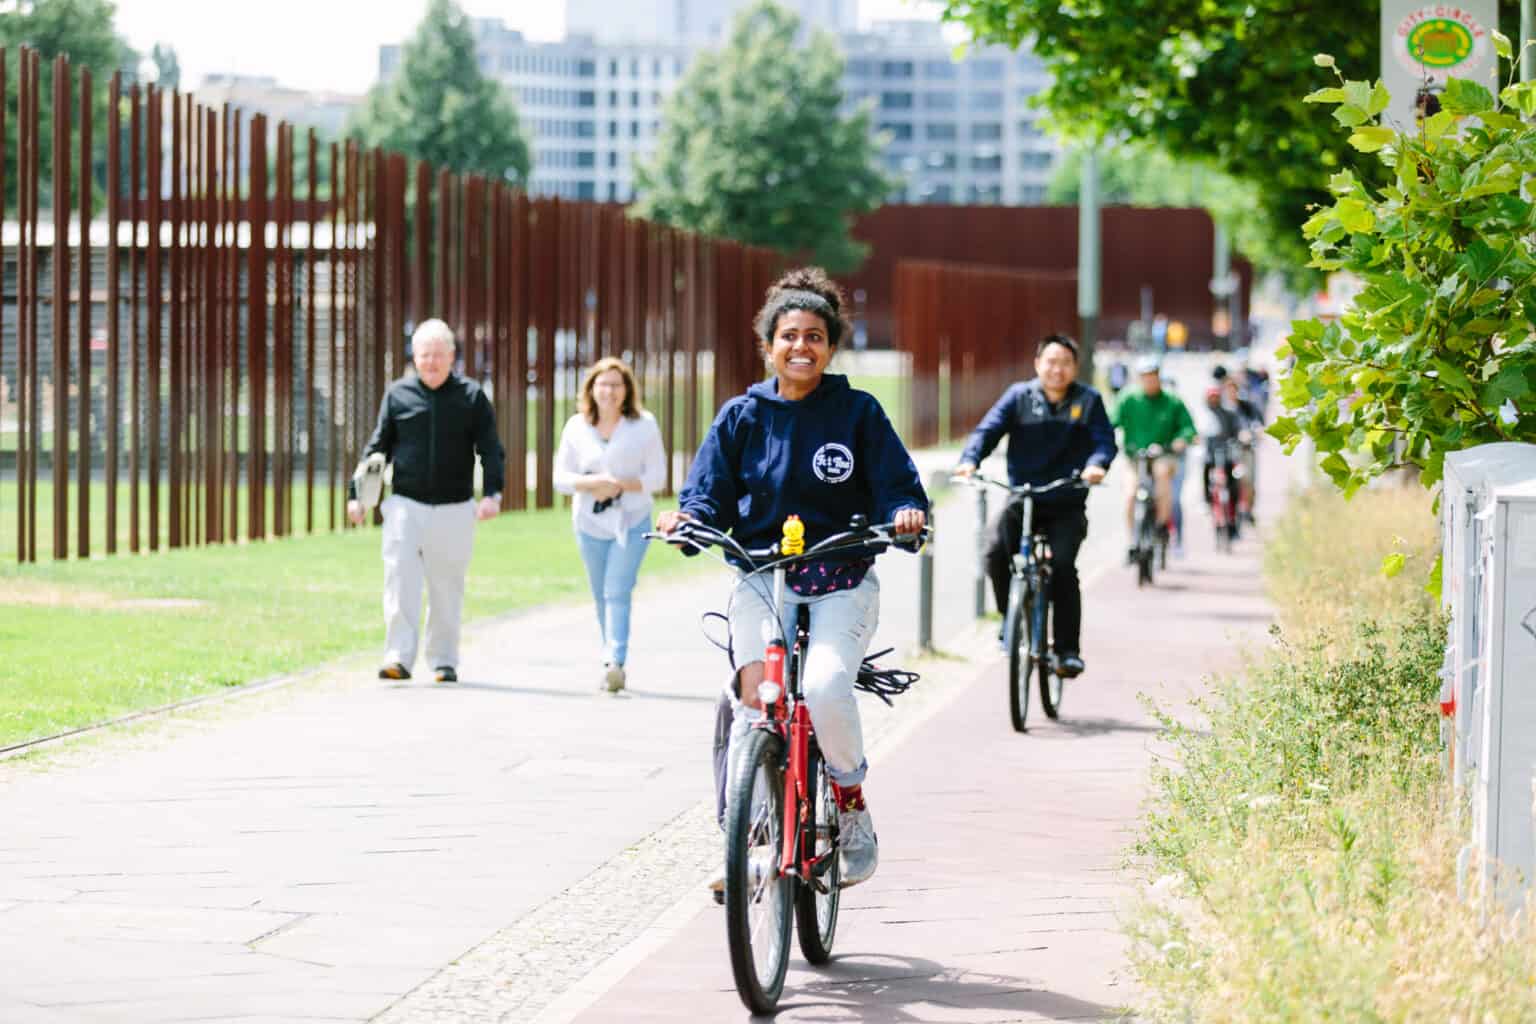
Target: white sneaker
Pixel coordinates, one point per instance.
(859, 847)
(613, 677)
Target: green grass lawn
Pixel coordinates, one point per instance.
(83, 642)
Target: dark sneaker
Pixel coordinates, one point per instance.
(394, 670)
(1070, 666)
(445, 674)
(1130, 554)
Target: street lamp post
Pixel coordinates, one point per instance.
(1088, 258)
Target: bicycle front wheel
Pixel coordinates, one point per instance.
(1016, 633)
(757, 896)
(816, 899)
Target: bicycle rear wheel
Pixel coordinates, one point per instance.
(1016, 633)
(757, 896)
(816, 900)
(1051, 683)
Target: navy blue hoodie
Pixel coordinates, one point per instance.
(825, 458)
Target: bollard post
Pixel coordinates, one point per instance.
(981, 552)
(925, 589)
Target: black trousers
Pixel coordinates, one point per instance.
(1064, 527)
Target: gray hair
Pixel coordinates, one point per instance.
(433, 330)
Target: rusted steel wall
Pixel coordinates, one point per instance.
(970, 332)
(1168, 250)
(206, 348)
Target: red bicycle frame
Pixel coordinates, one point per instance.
(794, 727)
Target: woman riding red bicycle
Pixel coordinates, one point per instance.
(807, 444)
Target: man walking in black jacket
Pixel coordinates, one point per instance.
(431, 426)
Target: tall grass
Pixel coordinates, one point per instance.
(1300, 843)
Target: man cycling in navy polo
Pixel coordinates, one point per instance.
(1055, 427)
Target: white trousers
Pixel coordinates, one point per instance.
(431, 542)
(842, 625)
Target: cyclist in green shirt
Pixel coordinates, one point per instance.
(1147, 417)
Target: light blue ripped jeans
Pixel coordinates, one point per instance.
(612, 569)
(842, 626)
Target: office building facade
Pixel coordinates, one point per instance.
(957, 131)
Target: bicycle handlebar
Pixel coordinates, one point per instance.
(1074, 482)
(701, 535)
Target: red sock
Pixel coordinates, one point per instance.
(849, 798)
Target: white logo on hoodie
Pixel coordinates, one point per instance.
(832, 463)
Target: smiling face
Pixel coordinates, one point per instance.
(433, 357)
(608, 393)
(799, 351)
(1056, 367)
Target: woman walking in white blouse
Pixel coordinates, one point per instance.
(611, 460)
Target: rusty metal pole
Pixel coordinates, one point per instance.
(60, 273)
(154, 302)
(256, 334)
(333, 463)
(114, 271)
(83, 392)
(177, 410)
(135, 397)
(23, 289)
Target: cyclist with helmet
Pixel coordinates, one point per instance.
(1055, 427)
(1153, 416)
(805, 443)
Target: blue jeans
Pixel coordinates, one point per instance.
(612, 570)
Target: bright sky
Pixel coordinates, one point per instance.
(334, 44)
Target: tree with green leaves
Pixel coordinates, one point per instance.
(1436, 353)
(439, 107)
(167, 66)
(82, 31)
(1217, 81)
(755, 148)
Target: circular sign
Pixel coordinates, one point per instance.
(1439, 43)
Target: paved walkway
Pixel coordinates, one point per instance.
(344, 850)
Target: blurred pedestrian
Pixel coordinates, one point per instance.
(611, 461)
(432, 425)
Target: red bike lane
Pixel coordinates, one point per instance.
(1002, 873)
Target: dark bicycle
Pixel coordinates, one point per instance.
(781, 842)
(1149, 538)
(1027, 622)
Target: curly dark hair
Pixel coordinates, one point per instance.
(809, 290)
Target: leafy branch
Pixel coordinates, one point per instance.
(1436, 351)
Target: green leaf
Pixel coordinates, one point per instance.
(1381, 98)
(1433, 585)
(1350, 115)
(1369, 139)
(1521, 96)
(1501, 45)
(1355, 215)
(1333, 94)
(1465, 97)
(1393, 564)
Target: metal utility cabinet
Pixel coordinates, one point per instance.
(1488, 515)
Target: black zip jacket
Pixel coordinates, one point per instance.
(432, 437)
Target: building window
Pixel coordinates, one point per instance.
(990, 163)
(613, 98)
(901, 131)
(634, 97)
(942, 161)
(895, 101)
(986, 194)
(613, 191)
(942, 194)
(986, 131)
(613, 69)
(1032, 195)
(586, 158)
(613, 159)
(940, 101)
(986, 70)
(634, 67)
(613, 129)
(634, 129)
(1028, 129)
(862, 68)
(586, 98)
(896, 69)
(1034, 160)
(944, 132)
(940, 69)
(586, 190)
(988, 101)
